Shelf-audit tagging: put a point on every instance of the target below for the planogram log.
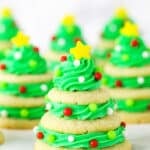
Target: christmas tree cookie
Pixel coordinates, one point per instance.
(1, 138)
(80, 114)
(128, 76)
(24, 81)
(66, 36)
(108, 36)
(8, 29)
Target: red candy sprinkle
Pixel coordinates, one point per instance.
(77, 39)
(40, 135)
(123, 124)
(134, 43)
(67, 111)
(97, 76)
(2, 66)
(22, 89)
(36, 49)
(53, 38)
(63, 58)
(93, 143)
(148, 107)
(118, 83)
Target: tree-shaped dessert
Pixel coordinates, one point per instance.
(108, 36)
(66, 36)
(8, 29)
(127, 76)
(24, 81)
(80, 114)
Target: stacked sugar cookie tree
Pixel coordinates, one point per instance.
(8, 29)
(80, 113)
(127, 76)
(24, 81)
(110, 32)
(66, 36)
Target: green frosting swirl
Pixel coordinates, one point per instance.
(65, 38)
(22, 113)
(112, 28)
(128, 82)
(134, 105)
(82, 112)
(24, 60)
(32, 90)
(8, 28)
(104, 139)
(126, 55)
(69, 75)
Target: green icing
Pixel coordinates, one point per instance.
(126, 55)
(52, 65)
(104, 139)
(65, 38)
(81, 112)
(8, 28)
(68, 75)
(24, 60)
(112, 28)
(130, 105)
(32, 90)
(128, 82)
(102, 54)
(22, 113)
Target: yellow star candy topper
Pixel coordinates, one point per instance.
(6, 12)
(130, 29)
(20, 40)
(81, 51)
(68, 20)
(121, 13)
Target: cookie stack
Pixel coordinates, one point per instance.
(80, 114)
(127, 76)
(8, 29)
(24, 81)
(66, 36)
(108, 36)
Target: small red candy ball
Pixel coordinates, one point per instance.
(53, 38)
(123, 124)
(22, 89)
(77, 39)
(118, 83)
(36, 49)
(63, 58)
(40, 135)
(98, 76)
(68, 111)
(93, 143)
(2, 66)
(134, 43)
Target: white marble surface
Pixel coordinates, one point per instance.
(139, 135)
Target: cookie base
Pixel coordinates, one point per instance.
(42, 146)
(134, 118)
(1, 138)
(10, 123)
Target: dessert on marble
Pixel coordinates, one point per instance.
(127, 76)
(8, 29)
(110, 32)
(66, 36)
(1, 138)
(24, 81)
(80, 114)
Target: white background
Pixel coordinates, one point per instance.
(39, 18)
